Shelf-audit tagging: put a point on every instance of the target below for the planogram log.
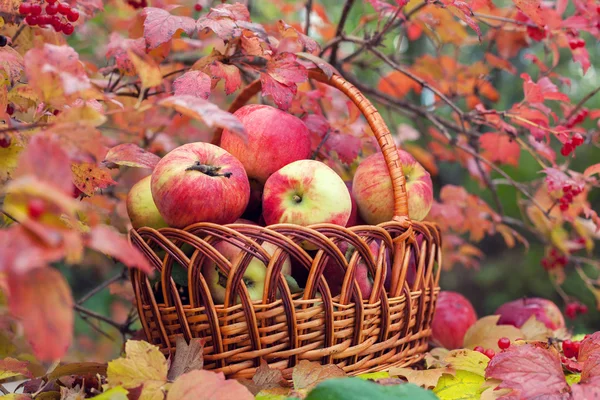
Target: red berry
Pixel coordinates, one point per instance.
(479, 349)
(56, 23)
(504, 343)
(490, 353)
(571, 310)
(562, 260)
(564, 207)
(5, 141)
(32, 20)
(51, 9)
(198, 7)
(44, 20)
(25, 8)
(56, 112)
(36, 9)
(573, 43)
(10, 110)
(67, 29)
(536, 33)
(63, 8)
(51, 1)
(35, 208)
(73, 15)
(546, 264)
(583, 309)
(566, 149)
(577, 139)
(580, 42)
(566, 188)
(76, 192)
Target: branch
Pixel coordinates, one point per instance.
(101, 286)
(504, 19)
(582, 102)
(123, 328)
(309, 4)
(338, 32)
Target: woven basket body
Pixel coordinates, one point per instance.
(389, 328)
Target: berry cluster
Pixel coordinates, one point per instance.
(54, 14)
(571, 144)
(5, 141)
(198, 7)
(35, 208)
(536, 33)
(578, 118)
(504, 343)
(490, 353)
(575, 308)
(554, 260)
(135, 4)
(569, 193)
(576, 42)
(570, 349)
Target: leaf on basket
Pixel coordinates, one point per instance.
(207, 385)
(188, 357)
(307, 375)
(485, 333)
(264, 379)
(530, 371)
(427, 378)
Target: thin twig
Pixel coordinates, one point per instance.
(100, 317)
(582, 102)
(101, 286)
(309, 4)
(504, 19)
(339, 30)
(18, 32)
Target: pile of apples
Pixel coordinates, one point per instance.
(269, 178)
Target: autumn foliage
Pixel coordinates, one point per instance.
(86, 113)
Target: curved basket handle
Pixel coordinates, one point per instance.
(376, 122)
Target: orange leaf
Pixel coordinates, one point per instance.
(147, 69)
(591, 170)
(41, 299)
(398, 84)
(501, 148)
(500, 63)
(88, 178)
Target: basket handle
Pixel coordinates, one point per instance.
(376, 122)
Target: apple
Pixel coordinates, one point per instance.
(199, 182)
(454, 315)
(354, 217)
(254, 277)
(517, 312)
(275, 139)
(141, 208)
(306, 192)
(372, 188)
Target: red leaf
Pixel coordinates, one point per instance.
(118, 47)
(283, 73)
(582, 56)
(501, 148)
(110, 242)
(591, 366)
(289, 33)
(203, 110)
(529, 370)
(544, 89)
(589, 346)
(195, 83)
(591, 170)
(131, 155)
(226, 21)
(11, 62)
(586, 390)
(45, 159)
(42, 300)
(231, 74)
(500, 63)
(160, 26)
(11, 367)
(347, 147)
(207, 385)
(463, 11)
(236, 12)
(88, 178)
(531, 8)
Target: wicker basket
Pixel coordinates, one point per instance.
(390, 328)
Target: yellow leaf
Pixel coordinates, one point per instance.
(427, 378)
(573, 378)
(84, 113)
(485, 333)
(116, 393)
(560, 238)
(534, 329)
(468, 360)
(144, 365)
(8, 161)
(147, 69)
(436, 357)
(491, 393)
(463, 385)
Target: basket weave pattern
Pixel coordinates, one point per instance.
(390, 328)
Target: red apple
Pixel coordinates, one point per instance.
(275, 139)
(306, 192)
(517, 312)
(454, 315)
(372, 188)
(141, 208)
(354, 217)
(199, 182)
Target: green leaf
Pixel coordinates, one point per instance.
(360, 389)
(463, 385)
(573, 378)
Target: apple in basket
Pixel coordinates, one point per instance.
(141, 208)
(199, 182)
(372, 188)
(255, 274)
(454, 315)
(306, 192)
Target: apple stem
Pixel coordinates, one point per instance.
(297, 198)
(209, 170)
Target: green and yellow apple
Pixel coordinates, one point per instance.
(141, 208)
(306, 192)
(372, 188)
